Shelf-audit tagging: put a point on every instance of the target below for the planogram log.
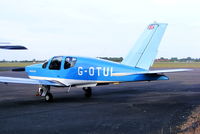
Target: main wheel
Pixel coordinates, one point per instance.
(49, 97)
(88, 92)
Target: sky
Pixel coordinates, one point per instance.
(96, 28)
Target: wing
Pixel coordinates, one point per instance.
(29, 81)
(152, 72)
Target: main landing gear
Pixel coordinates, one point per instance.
(49, 97)
(88, 92)
(44, 90)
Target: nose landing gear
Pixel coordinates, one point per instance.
(44, 90)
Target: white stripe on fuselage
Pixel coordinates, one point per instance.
(66, 82)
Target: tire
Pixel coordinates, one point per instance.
(49, 97)
(88, 92)
(88, 95)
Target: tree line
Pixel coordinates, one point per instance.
(162, 59)
(119, 59)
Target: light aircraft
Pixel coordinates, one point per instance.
(11, 47)
(84, 72)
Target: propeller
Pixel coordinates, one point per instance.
(18, 69)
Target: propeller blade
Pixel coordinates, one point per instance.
(18, 69)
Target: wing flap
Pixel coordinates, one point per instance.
(29, 81)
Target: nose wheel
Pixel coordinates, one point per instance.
(88, 92)
(44, 90)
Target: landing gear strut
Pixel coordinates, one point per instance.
(44, 90)
(88, 92)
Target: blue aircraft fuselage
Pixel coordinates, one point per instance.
(90, 69)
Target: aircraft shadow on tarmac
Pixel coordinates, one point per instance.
(106, 94)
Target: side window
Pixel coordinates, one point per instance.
(69, 62)
(55, 63)
(45, 64)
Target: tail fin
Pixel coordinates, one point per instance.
(144, 52)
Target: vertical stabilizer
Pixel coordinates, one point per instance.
(144, 52)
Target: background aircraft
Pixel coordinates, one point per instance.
(83, 72)
(11, 47)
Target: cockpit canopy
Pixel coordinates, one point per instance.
(56, 63)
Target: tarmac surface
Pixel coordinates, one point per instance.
(157, 107)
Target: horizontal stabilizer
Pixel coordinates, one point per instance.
(152, 72)
(19, 69)
(29, 81)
